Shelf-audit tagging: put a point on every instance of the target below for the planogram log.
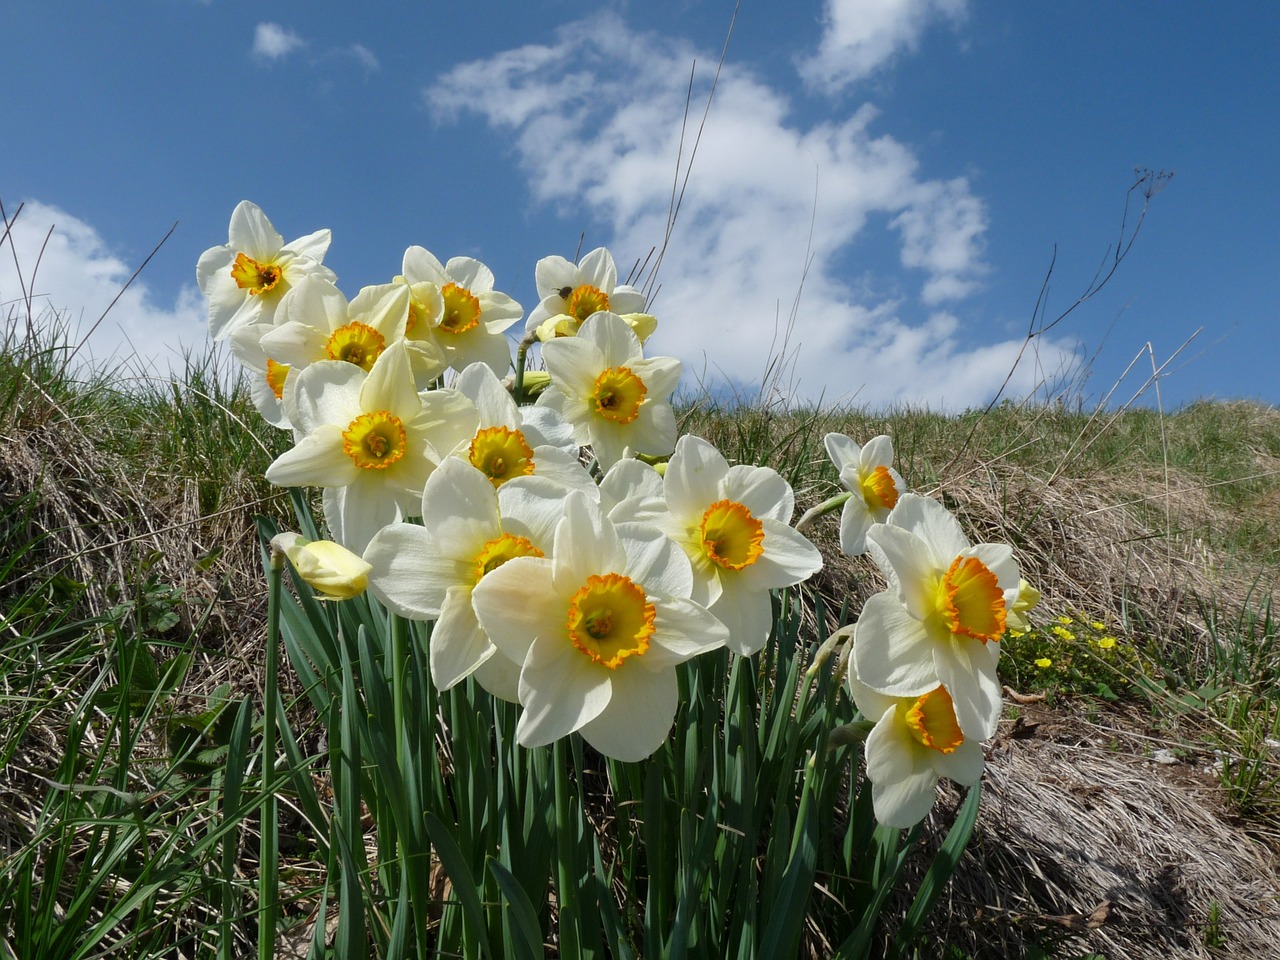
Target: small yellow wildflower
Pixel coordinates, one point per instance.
(1106, 643)
(1063, 633)
(1065, 620)
(1043, 662)
(1097, 625)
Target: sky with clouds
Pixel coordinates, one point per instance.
(866, 211)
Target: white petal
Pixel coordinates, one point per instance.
(788, 558)
(313, 245)
(932, 523)
(419, 265)
(964, 765)
(614, 338)
(856, 519)
(481, 385)
(586, 544)
(316, 460)
(653, 432)
(390, 385)
(682, 630)
(563, 469)
(561, 689)
(251, 232)
(458, 644)
(693, 479)
(842, 450)
(574, 364)
(762, 490)
(746, 612)
(597, 268)
(516, 603)
(969, 674)
(892, 651)
(661, 375)
(409, 576)
(460, 508)
(500, 677)
(654, 561)
(530, 508)
(292, 343)
(633, 491)
(367, 507)
(908, 563)
(639, 716)
(325, 393)
(553, 274)
(877, 453)
(470, 273)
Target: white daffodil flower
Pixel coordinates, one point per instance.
(868, 473)
(943, 616)
(734, 525)
(455, 307)
(915, 742)
(468, 530)
(569, 293)
(246, 277)
(315, 322)
(330, 568)
(598, 630)
(513, 441)
(369, 439)
(616, 399)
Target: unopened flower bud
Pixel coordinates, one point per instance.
(334, 571)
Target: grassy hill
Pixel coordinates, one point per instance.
(1130, 802)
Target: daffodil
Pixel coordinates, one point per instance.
(916, 741)
(733, 522)
(616, 399)
(369, 439)
(330, 568)
(468, 530)
(245, 278)
(512, 441)
(1026, 601)
(455, 307)
(315, 322)
(943, 616)
(867, 472)
(597, 629)
(570, 293)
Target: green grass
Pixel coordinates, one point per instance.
(130, 585)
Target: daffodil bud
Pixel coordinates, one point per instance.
(1028, 597)
(334, 571)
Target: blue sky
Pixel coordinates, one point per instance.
(924, 158)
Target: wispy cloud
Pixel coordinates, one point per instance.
(273, 42)
(595, 121)
(68, 270)
(364, 55)
(860, 36)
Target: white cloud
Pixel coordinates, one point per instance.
(860, 36)
(273, 42)
(76, 276)
(595, 121)
(365, 56)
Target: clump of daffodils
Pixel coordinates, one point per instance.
(452, 503)
(923, 664)
(571, 552)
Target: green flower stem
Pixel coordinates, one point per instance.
(399, 658)
(268, 864)
(566, 883)
(522, 350)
